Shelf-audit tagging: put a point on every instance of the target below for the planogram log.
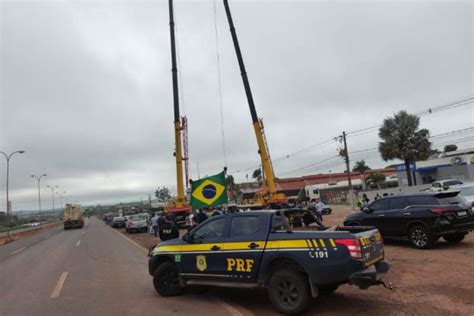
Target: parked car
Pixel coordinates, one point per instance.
(467, 191)
(445, 184)
(262, 249)
(136, 223)
(421, 218)
(118, 222)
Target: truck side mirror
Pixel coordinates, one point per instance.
(187, 238)
(367, 210)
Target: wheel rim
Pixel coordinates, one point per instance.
(169, 278)
(419, 237)
(288, 293)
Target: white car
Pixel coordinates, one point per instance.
(467, 191)
(445, 184)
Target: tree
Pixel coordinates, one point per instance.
(361, 168)
(257, 174)
(449, 148)
(376, 179)
(402, 139)
(163, 193)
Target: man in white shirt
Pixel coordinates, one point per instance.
(319, 209)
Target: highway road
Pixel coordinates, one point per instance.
(88, 271)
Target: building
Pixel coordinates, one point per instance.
(451, 165)
(291, 187)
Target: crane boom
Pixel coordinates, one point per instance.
(257, 123)
(180, 201)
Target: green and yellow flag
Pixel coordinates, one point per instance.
(210, 191)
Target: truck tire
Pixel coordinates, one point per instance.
(166, 279)
(454, 238)
(328, 289)
(289, 292)
(420, 237)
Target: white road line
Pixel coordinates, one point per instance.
(78, 243)
(83, 233)
(17, 251)
(57, 289)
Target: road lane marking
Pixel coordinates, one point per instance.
(83, 233)
(78, 243)
(229, 308)
(133, 242)
(57, 289)
(17, 251)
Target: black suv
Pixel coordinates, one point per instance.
(421, 218)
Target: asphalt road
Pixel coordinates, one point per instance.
(88, 271)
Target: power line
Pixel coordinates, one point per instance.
(310, 166)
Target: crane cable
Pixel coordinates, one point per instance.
(219, 83)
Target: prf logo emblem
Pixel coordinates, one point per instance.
(201, 263)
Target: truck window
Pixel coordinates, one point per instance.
(210, 230)
(397, 203)
(422, 200)
(379, 205)
(316, 191)
(244, 225)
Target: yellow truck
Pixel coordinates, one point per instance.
(73, 216)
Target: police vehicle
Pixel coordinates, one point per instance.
(279, 250)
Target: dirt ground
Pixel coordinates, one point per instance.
(438, 281)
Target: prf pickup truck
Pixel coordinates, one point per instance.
(280, 250)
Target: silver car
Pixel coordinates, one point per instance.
(137, 223)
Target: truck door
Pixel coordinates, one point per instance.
(202, 258)
(243, 246)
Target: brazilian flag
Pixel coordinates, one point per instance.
(210, 191)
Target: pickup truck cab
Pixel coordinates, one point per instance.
(270, 249)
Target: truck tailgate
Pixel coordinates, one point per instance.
(371, 245)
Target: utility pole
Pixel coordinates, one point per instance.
(38, 178)
(52, 193)
(345, 153)
(8, 156)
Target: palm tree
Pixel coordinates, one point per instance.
(257, 174)
(361, 168)
(403, 140)
(376, 179)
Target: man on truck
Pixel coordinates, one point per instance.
(261, 249)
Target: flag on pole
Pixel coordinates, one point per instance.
(210, 191)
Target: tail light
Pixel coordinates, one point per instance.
(441, 210)
(352, 245)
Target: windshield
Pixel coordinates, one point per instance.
(137, 217)
(467, 191)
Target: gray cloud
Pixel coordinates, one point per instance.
(86, 86)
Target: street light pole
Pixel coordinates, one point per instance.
(52, 193)
(61, 199)
(8, 157)
(38, 178)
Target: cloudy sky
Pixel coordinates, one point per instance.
(85, 87)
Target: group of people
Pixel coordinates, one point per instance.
(164, 227)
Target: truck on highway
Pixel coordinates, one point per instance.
(280, 250)
(73, 216)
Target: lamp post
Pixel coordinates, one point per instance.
(52, 193)
(38, 178)
(8, 157)
(61, 199)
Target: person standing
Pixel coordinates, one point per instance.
(201, 216)
(154, 225)
(168, 230)
(319, 210)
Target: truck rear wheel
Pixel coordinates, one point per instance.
(166, 279)
(288, 291)
(420, 237)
